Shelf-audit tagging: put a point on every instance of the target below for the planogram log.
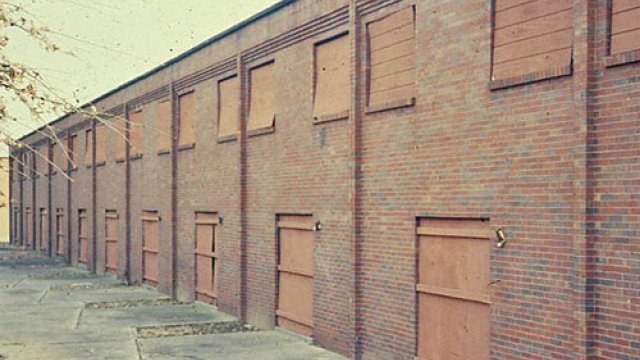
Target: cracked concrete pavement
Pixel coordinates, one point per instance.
(52, 311)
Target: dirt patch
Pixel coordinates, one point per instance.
(85, 286)
(226, 327)
(61, 275)
(125, 304)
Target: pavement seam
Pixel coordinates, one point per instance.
(44, 293)
(138, 348)
(77, 324)
(15, 284)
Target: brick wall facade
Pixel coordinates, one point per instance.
(550, 157)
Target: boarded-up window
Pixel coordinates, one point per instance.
(119, 137)
(88, 147)
(53, 162)
(100, 144)
(228, 114)
(60, 155)
(135, 132)
(111, 240)
(625, 26)
(332, 80)
(262, 103)
(163, 139)
(44, 230)
(73, 150)
(532, 38)
(186, 120)
(392, 50)
(83, 240)
(206, 257)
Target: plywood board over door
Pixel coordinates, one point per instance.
(82, 236)
(60, 232)
(44, 236)
(150, 246)
(111, 240)
(453, 289)
(206, 257)
(295, 273)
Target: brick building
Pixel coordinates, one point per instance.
(346, 170)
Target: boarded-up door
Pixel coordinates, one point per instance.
(44, 236)
(82, 236)
(28, 228)
(206, 257)
(295, 274)
(59, 232)
(453, 289)
(150, 242)
(111, 240)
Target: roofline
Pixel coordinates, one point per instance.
(239, 26)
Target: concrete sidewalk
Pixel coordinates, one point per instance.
(52, 311)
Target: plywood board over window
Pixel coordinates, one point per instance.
(119, 137)
(533, 40)
(60, 155)
(88, 147)
(163, 125)
(262, 112)
(73, 150)
(392, 50)
(625, 26)
(332, 95)
(101, 150)
(136, 139)
(187, 119)
(228, 110)
(53, 162)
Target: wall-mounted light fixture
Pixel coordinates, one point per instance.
(501, 240)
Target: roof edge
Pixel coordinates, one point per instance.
(239, 26)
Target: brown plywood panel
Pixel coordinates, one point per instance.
(295, 300)
(296, 251)
(332, 76)
(528, 48)
(530, 29)
(392, 58)
(404, 92)
(187, 119)
(150, 245)
(623, 5)
(88, 147)
(119, 137)
(163, 126)
(391, 22)
(204, 238)
(151, 267)
(626, 21)
(452, 329)
(82, 236)
(229, 114)
(529, 11)
(262, 94)
(59, 233)
(136, 122)
(44, 236)
(625, 42)
(73, 151)
(453, 289)
(532, 64)
(28, 232)
(151, 234)
(100, 144)
(111, 239)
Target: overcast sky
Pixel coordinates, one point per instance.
(113, 41)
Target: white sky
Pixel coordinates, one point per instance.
(113, 41)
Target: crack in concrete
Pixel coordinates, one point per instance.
(44, 293)
(77, 324)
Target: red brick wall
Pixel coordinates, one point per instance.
(552, 162)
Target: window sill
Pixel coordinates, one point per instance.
(184, 147)
(120, 160)
(343, 115)
(263, 131)
(623, 58)
(88, 166)
(101, 163)
(226, 139)
(392, 105)
(73, 170)
(164, 152)
(531, 77)
(135, 157)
